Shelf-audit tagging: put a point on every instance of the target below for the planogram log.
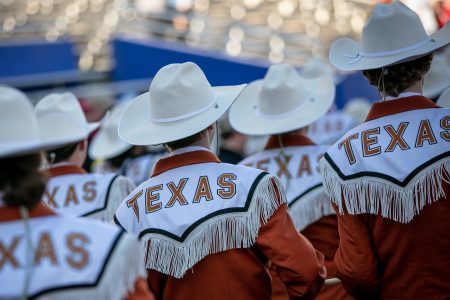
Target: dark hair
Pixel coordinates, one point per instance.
(118, 160)
(185, 142)
(399, 77)
(21, 181)
(61, 154)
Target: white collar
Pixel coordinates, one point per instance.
(188, 149)
(62, 164)
(403, 95)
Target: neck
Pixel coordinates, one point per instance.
(415, 88)
(76, 159)
(203, 142)
(299, 132)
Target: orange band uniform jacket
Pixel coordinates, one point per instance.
(242, 273)
(382, 258)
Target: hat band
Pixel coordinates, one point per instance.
(290, 113)
(360, 55)
(185, 116)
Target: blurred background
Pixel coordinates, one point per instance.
(106, 50)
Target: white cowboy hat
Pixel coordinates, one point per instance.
(444, 99)
(61, 118)
(393, 33)
(358, 108)
(281, 102)
(106, 143)
(438, 77)
(316, 67)
(19, 133)
(179, 103)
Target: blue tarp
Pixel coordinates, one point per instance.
(36, 57)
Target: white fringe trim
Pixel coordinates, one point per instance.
(310, 208)
(124, 267)
(374, 195)
(221, 233)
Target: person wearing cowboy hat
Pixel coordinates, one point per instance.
(282, 105)
(71, 190)
(45, 254)
(208, 228)
(112, 155)
(388, 178)
(438, 77)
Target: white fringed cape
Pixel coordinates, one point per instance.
(220, 233)
(310, 208)
(122, 269)
(375, 195)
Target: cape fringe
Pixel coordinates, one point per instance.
(375, 195)
(221, 233)
(311, 208)
(122, 270)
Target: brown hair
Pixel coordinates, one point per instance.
(399, 77)
(185, 142)
(21, 181)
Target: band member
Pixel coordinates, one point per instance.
(283, 105)
(112, 155)
(208, 228)
(71, 190)
(388, 178)
(43, 254)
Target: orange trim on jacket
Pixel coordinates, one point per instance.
(183, 159)
(323, 234)
(395, 106)
(242, 273)
(287, 140)
(65, 170)
(382, 259)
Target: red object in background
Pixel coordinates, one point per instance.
(443, 12)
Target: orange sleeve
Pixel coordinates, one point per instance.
(156, 282)
(299, 266)
(355, 260)
(141, 291)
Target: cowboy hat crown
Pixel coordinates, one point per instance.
(392, 34)
(281, 86)
(19, 133)
(179, 91)
(283, 101)
(61, 118)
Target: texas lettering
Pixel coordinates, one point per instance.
(284, 163)
(226, 189)
(368, 139)
(74, 249)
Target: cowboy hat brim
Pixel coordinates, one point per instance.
(104, 147)
(345, 52)
(244, 116)
(136, 128)
(27, 147)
